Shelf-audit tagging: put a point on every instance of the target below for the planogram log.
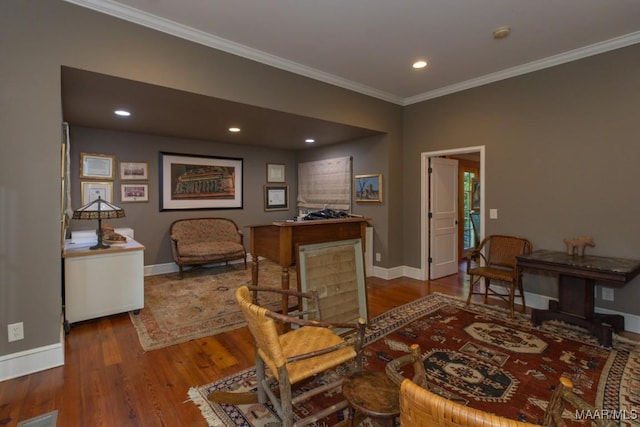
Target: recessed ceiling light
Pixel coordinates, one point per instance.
(419, 64)
(309, 140)
(501, 32)
(234, 129)
(122, 113)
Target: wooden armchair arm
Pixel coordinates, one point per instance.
(394, 369)
(564, 394)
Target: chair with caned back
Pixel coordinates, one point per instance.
(494, 260)
(306, 349)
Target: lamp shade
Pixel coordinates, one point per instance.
(99, 209)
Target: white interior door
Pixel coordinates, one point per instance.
(443, 217)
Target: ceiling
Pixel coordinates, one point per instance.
(368, 46)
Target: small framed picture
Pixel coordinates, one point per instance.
(369, 188)
(275, 172)
(130, 171)
(98, 166)
(276, 197)
(134, 192)
(92, 190)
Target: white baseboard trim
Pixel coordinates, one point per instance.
(172, 267)
(631, 321)
(33, 360)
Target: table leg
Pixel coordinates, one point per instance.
(254, 271)
(575, 305)
(352, 413)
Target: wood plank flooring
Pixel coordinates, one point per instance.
(108, 380)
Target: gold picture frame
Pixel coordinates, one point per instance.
(276, 172)
(90, 191)
(96, 166)
(369, 188)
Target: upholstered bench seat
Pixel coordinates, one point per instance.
(200, 241)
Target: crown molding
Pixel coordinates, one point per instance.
(127, 13)
(562, 58)
(148, 20)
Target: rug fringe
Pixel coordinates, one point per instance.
(207, 412)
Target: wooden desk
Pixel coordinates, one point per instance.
(277, 241)
(576, 279)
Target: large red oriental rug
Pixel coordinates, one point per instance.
(475, 355)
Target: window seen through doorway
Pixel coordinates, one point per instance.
(468, 231)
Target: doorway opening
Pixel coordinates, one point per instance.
(429, 247)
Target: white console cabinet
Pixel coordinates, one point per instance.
(103, 281)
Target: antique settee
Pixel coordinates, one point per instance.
(200, 241)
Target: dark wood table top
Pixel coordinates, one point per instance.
(372, 393)
(610, 269)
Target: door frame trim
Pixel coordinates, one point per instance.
(424, 198)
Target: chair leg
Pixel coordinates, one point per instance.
(512, 297)
(524, 306)
(286, 403)
(260, 377)
(471, 285)
(487, 284)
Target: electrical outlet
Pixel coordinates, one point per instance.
(378, 257)
(15, 331)
(607, 294)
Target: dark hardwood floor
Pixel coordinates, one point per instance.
(108, 380)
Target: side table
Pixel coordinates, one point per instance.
(577, 276)
(373, 394)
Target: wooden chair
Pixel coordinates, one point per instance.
(300, 353)
(495, 259)
(420, 407)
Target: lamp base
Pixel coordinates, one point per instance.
(100, 245)
(99, 233)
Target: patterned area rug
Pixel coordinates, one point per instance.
(202, 304)
(475, 355)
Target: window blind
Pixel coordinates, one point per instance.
(325, 183)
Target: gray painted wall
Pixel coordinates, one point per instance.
(35, 42)
(151, 226)
(561, 147)
(562, 155)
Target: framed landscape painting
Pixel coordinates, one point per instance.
(199, 182)
(369, 188)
